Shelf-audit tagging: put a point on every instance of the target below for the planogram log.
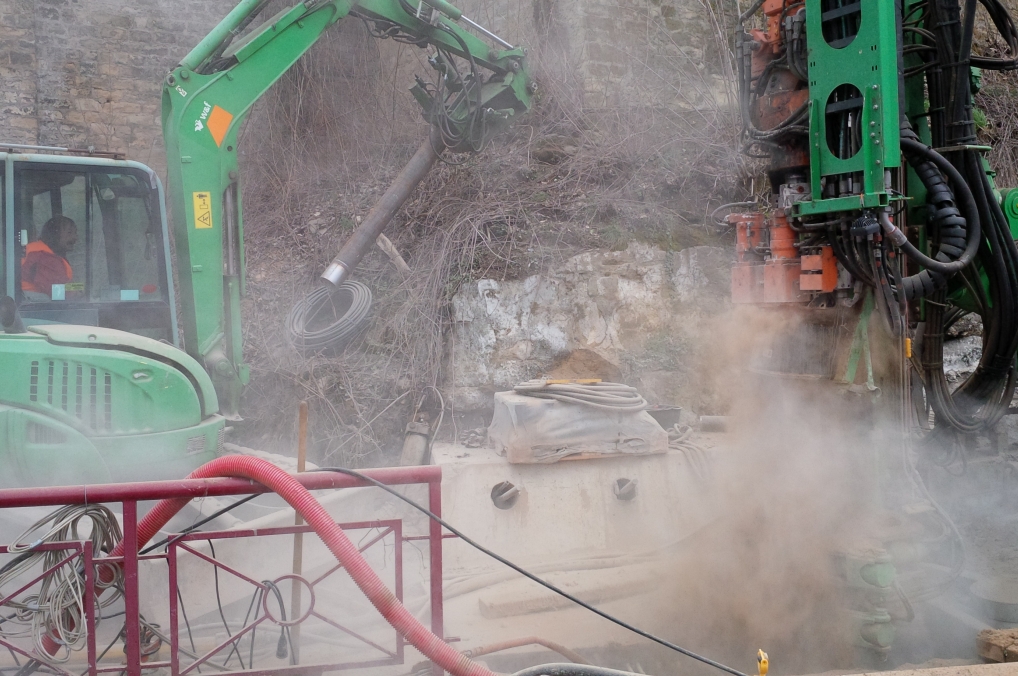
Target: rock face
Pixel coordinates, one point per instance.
(640, 310)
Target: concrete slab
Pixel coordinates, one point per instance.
(567, 511)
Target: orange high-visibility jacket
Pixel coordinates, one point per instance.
(41, 268)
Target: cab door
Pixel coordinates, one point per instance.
(118, 261)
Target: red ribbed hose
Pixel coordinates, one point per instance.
(267, 474)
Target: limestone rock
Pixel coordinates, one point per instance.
(639, 310)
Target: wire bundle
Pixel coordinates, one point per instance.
(349, 305)
(57, 609)
(606, 396)
(699, 459)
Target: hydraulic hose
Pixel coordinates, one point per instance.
(912, 148)
(335, 539)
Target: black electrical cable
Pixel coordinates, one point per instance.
(528, 574)
(256, 599)
(222, 615)
(31, 666)
(1005, 26)
(284, 633)
(197, 524)
(187, 624)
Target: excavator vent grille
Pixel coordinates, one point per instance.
(79, 390)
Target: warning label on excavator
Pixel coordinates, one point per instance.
(218, 124)
(202, 210)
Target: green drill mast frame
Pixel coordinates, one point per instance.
(205, 101)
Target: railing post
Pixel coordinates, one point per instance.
(131, 613)
(87, 556)
(435, 551)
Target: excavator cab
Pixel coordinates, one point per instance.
(114, 274)
(92, 392)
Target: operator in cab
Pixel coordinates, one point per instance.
(45, 262)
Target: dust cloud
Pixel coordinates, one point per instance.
(798, 485)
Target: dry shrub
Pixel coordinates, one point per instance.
(997, 101)
(649, 162)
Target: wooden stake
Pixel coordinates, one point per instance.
(298, 538)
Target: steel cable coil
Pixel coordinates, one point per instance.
(606, 396)
(348, 305)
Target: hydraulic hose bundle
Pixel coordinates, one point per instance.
(968, 232)
(982, 399)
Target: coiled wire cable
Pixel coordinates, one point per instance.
(57, 608)
(349, 306)
(605, 396)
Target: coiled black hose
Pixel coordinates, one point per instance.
(327, 320)
(956, 230)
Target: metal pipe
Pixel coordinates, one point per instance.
(21, 146)
(232, 266)
(198, 488)
(230, 23)
(571, 670)
(298, 538)
(481, 29)
(363, 238)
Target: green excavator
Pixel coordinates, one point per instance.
(104, 379)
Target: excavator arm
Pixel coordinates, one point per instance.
(206, 98)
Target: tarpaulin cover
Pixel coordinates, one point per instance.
(531, 430)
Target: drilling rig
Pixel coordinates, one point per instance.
(883, 226)
(881, 197)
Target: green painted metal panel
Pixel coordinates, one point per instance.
(201, 116)
(847, 203)
(839, 62)
(96, 337)
(97, 391)
(38, 450)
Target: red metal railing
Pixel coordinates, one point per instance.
(129, 494)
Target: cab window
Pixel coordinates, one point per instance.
(91, 249)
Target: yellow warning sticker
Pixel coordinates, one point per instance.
(202, 210)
